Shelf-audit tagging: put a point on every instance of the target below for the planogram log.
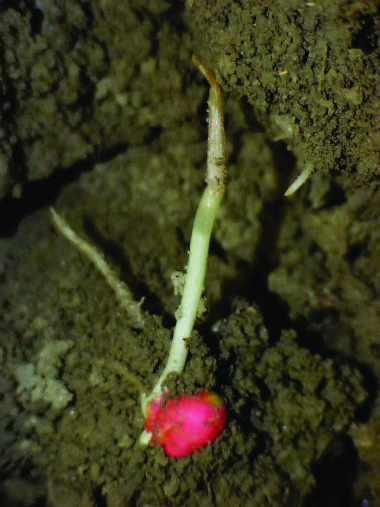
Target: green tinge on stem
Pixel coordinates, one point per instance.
(195, 277)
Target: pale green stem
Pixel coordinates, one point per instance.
(200, 240)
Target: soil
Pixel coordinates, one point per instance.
(290, 339)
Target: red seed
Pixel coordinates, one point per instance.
(182, 426)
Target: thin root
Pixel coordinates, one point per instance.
(122, 292)
(300, 180)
